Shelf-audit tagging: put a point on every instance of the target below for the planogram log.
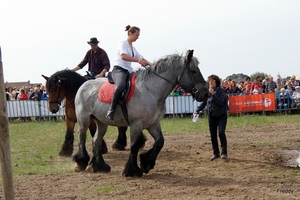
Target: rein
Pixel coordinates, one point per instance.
(67, 103)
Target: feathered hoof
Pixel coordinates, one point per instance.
(136, 173)
(146, 165)
(82, 162)
(118, 146)
(133, 171)
(67, 153)
(79, 169)
(101, 168)
(66, 150)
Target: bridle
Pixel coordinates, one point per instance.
(193, 90)
(58, 101)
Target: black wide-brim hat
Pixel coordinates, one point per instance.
(93, 41)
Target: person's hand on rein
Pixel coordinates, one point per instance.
(144, 62)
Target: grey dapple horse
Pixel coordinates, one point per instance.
(145, 110)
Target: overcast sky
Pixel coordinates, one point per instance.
(228, 36)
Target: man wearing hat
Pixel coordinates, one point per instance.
(97, 58)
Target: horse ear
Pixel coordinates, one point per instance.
(57, 79)
(189, 55)
(45, 77)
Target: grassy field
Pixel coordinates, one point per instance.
(35, 145)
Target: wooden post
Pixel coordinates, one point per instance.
(6, 169)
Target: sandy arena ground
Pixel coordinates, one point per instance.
(254, 170)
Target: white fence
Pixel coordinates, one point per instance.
(29, 108)
(181, 105)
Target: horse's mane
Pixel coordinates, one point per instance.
(70, 80)
(169, 62)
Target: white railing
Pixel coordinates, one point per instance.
(29, 108)
(181, 105)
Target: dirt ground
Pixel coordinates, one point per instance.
(254, 170)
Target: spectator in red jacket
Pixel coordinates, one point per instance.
(22, 95)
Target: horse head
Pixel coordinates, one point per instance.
(55, 92)
(191, 79)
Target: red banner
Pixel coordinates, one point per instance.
(252, 103)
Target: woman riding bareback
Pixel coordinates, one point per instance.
(122, 67)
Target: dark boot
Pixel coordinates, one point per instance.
(115, 101)
(110, 114)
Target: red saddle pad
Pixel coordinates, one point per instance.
(106, 91)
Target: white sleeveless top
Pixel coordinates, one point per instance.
(124, 48)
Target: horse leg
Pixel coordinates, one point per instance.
(97, 162)
(67, 146)
(121, 141)
(82, 157)
(148, 158)
(142, 140)
(131, 168)
(92, 129)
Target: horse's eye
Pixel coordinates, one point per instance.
(193, 71)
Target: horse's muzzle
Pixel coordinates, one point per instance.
(54, 110)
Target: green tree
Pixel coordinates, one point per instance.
(261, 74)
(239, 76)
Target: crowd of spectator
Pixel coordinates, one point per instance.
(25, 93)
(287, 91)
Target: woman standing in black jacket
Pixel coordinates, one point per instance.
(217, 106)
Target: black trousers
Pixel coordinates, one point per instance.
(119, 76)
(216, 123)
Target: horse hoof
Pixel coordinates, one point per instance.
(79, 169)
(137, 173)
(118, 146)
(65, 153)
(103, 168)
(145, 164)
(132, 171)
(67, 148)
(82, 161)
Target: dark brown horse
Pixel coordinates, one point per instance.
(63, 85)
